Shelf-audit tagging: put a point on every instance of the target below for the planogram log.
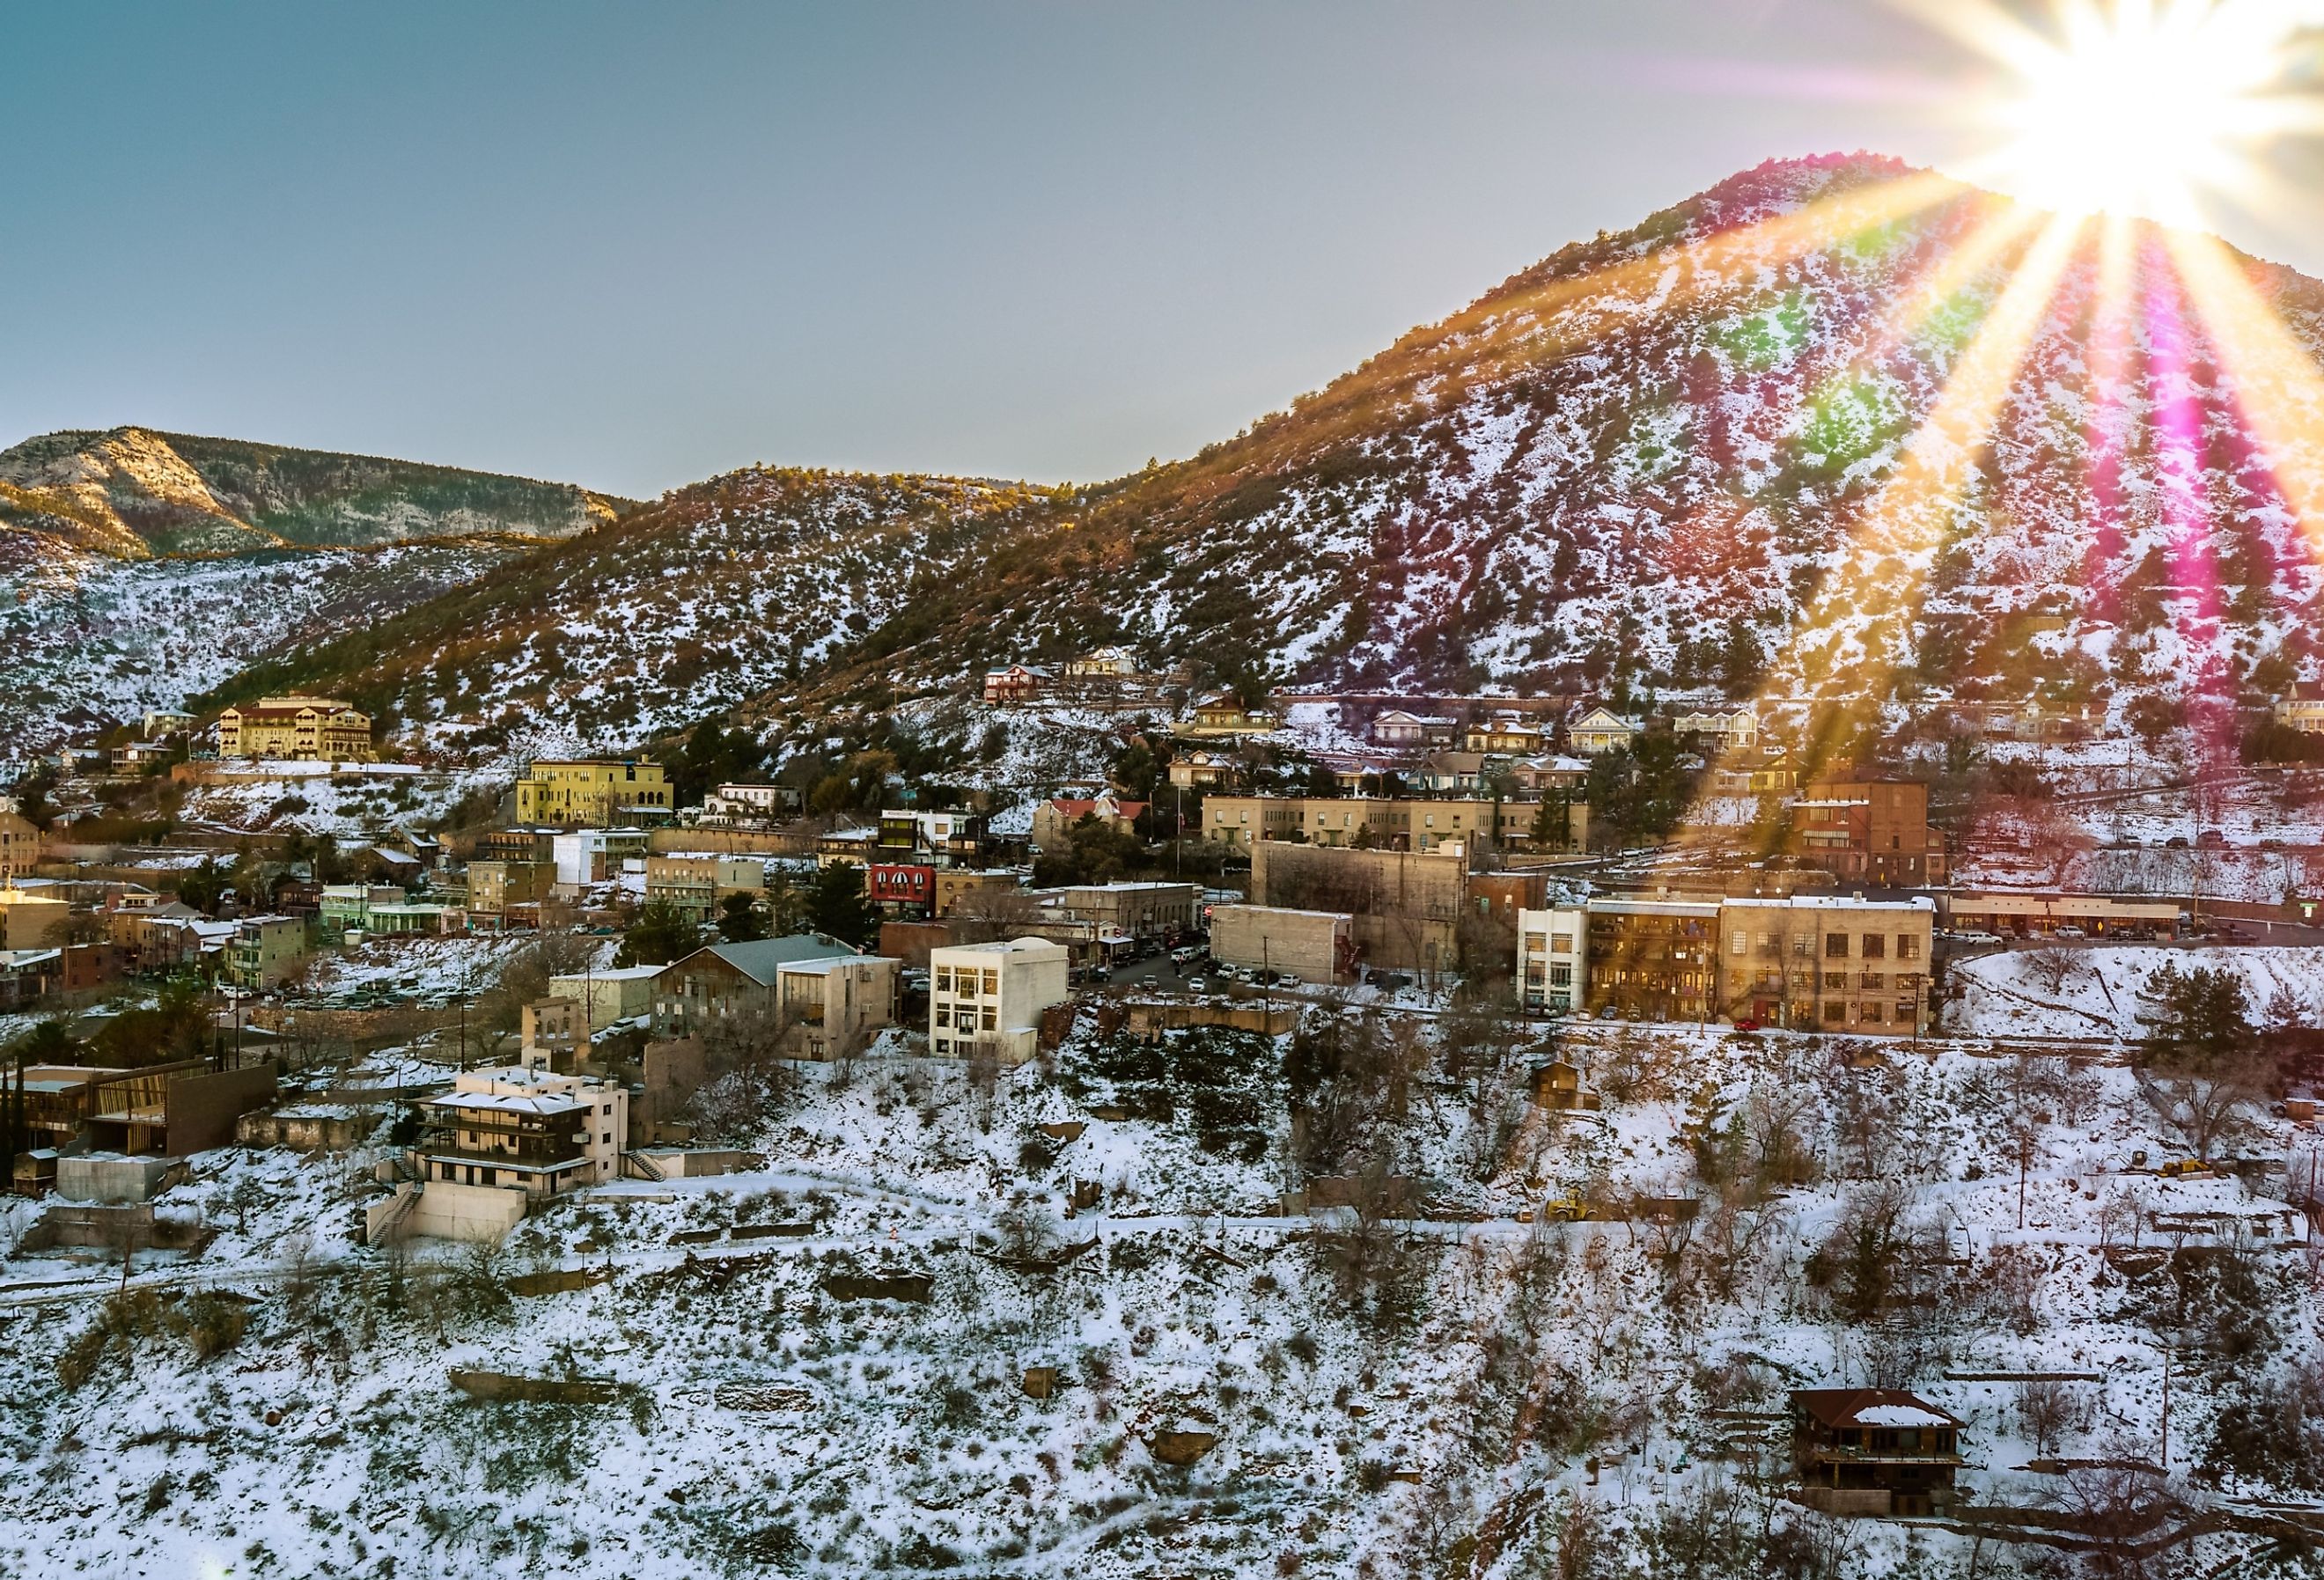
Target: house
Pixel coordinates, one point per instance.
(750, 803)
(1451, 774)
(2303, 709)
(817, 996)
(344, 908)
(1553, 957)
(946, 836)
(1107, 664)
(136, 757)
(1225, 714)
(1601, 729)
(592, 792)
(1409, 731)
(1557, 1086)
(1201, 770)
(308, 729)
(29, 976)
(993, 996)
(29, 920)
(160, 723)
(1877, 1451)
(695, 885)
(524, 1130)
(171, 1110)
(1503, 735)
(1017, 684)
(20, 847)
(1768, 772)
(1735, 729)
(1054, 819)
(1537, 776)
(264, 950)
(1868, 828)
(853, 848)
(613, 994)
(1313, 946)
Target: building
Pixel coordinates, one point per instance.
(592, 793)
(1375, 823)
(956, 885)
(617, 993)
(1404, 907)
(1018, 683)
(552, 1035)
(1876, 1451)
(1054, 819)
(1133, 911)
(696, 885)
(750, 803)
(1226, 716)
(344, 908)
(1553, 957)
(1651, 959)
(1313, 946)
(993, 996)
(901, 888)
(1106, 663)
(170, 1110)
(818, 997)
(135, 757)
(940, 836)
(1412, 731)
(2041, 915)
(1830, 963)
(264, 950)
(1734, 729)
(29, 920)
(496, 886)
(1201, 770)
(528, 1130)
(2303, 709)
(851, 847)
(160, 722)
(587, 856)
(20, 847)
(1871, 830)
(308, 729)
(1503, 735)
(1601, 729)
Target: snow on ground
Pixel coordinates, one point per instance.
(2100, 990)
(346, 803)
(425, 968)
(766, 1416)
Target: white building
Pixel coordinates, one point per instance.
(748, 803)
(995, 993)
(1552, 957)
(595, 855)
(1735, 730)
(525, 1129)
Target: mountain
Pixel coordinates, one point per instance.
(131, 493)
(1833, 426)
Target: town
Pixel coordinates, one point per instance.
(505, 1001)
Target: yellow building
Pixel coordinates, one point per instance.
(20, 847)
(592, 794)
(31, 921)
(308, 729)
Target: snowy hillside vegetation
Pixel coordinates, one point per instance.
(896, 1349)
(2103, 991)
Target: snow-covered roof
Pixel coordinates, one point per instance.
(1870, 1407)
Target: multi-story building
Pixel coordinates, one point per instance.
(1653, 959)
(264, 950)
(529, 1129)
(595, 855)
(1054, 819)
(698, 884)
(750, 803)
(29, 919)
(1869, 830)
(1380, 824)
(943, 837)
(817, 996)
(344, 907)
(610, 994)
(900, 889)
(493, 886)
(1734, 729)
(1019, 683)
(1553, 957)
(1405, 906)
(993, 996)
(592, 793)
(2303, 709)
(1601, 729)
(313, 729)
(1830, 963)
(20, 847)
(955, 885)
(1133, 911)
(1313, 946)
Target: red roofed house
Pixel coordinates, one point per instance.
(1053, 818)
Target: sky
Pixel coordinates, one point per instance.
(634, 245)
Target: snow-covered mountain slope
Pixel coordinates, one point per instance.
(687, 608)
(131, 493)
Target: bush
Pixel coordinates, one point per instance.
(215, 1325)
(79, 1361)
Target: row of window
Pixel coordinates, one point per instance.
(962, 980)
(1869, 946)
(968, 1019)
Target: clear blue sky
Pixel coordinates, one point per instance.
(633, 245)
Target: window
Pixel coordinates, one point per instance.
(992, 983)
(1737, 943)
(1804, 945)
(1876, 945)
(1835, 1011)
(1835, 946)
(1870, 1009)
(1908, 947)
(1561, 976)
(991, 1018)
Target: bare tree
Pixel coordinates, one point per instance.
(2202, 1109)
(2047, 1410)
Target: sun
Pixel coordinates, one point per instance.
(2139, 107)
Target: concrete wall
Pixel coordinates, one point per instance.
(447, 1211)
(1310, 944)
(103, 1177)
(203, 1108)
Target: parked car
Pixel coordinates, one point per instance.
(2176, 842)
(1747, 1027)
(1198, 984)
(2069, 932)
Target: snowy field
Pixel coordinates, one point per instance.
(2100, 990)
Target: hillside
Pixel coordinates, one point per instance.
(131, 494)
(716, 594)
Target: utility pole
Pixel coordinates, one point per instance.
(2166, 1408)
